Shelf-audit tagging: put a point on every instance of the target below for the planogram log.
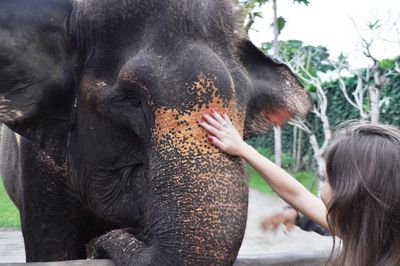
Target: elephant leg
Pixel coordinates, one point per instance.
(51, 240)
(123, 248)
(52, 218)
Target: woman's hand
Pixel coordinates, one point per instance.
(223, 133)
(287, 217)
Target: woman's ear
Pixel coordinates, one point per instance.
(276, 93)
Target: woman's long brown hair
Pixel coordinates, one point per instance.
(363, 170)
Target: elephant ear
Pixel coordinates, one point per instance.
(276, 95)
(36, 71)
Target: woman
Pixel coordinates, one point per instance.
(360, 198)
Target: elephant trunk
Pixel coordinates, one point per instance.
(200, 194)
(198, 216)
(200, 209)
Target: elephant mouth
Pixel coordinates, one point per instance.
(112, 192)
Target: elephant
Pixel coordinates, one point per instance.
(101, 149)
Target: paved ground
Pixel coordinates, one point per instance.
(256, 243)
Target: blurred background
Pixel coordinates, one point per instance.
(346, 54)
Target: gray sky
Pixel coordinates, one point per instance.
(337, 25)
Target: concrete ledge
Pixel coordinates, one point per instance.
(284, 259)
(67, 263)
(273, 259)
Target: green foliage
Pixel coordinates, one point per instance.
(250, 5)
(374, 25)
(307, 178)
(281, 24)
(304, 177)
(341, 63)
(9, 214)
(257, 182)
(286, 160)
(387, 64)
(256, 15)
(390, 112)
(258, 3)
(339, 110)
(266, 152)
(306, 2)
(316, 58)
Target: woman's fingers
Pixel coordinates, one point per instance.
(217, 116)
(268, 223)
(212, 121)
(289, 226)
(217, 142)
(211, 129)
(226, 134)
(217, 120)
(225, 117)
(272, 223)
(264, 226)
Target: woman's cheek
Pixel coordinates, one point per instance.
(326, 193)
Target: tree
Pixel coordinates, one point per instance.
(307, 62)
(278, 24)
(249, 11)
(277, 129)
(370, 80)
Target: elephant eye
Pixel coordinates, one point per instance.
(134, 100)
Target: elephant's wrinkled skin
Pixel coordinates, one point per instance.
(106, 95)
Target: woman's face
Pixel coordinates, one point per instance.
(326, 191)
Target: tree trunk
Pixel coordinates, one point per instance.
(278, 145)
(319, 158)
(276, 30)
(294, 147)
(299, 151)
(374, 95)
(277, 130)
(248, 25)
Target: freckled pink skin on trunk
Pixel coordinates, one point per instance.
(210, 192)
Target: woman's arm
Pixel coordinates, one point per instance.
(227, 138)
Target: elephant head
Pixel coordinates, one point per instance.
(113, 89)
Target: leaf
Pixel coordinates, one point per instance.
(386, 64)
(262, 2)
(266, 46)
(257, 15)
(250, 4)
(281, 24)
(306, 2)
(374, 26)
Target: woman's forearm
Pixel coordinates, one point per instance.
(227, 138)
(286, 186)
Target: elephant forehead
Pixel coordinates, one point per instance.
(181, 131)
(177, 128)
